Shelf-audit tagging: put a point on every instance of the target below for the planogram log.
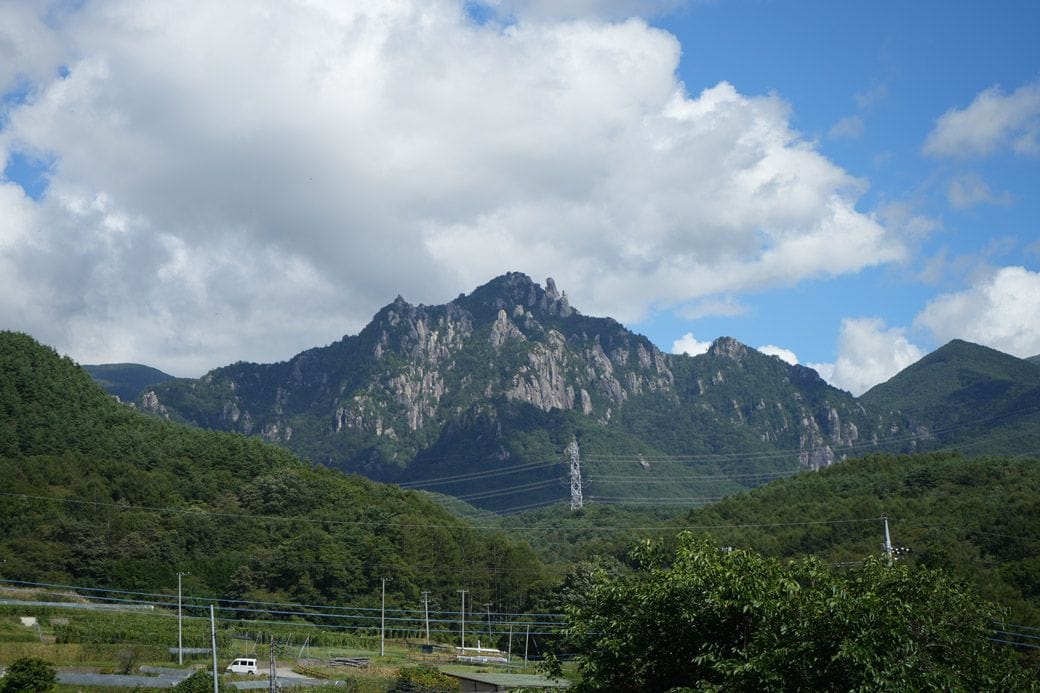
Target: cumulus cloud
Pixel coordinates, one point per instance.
(547, 10)
(993, 120)
(688, 344)
(234, 180)
(1002, 311)
(970, 190)
(780, 352)
(869, 353)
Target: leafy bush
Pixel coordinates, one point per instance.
(199, 682)
(423, 680)
(28, 675)
(715, 619)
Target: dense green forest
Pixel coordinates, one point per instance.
(978, 518)
(95, 493)
(715, 618)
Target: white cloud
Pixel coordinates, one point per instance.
(970, 190)
(868, 353)
(781, 353)
(994, 120)
(727, 307)
(850, 127)
(825, 370)
(1002, 311)
(550, 10)
(688, 344)
(242, 181)
(871, 97)
(28, 49)
(904, 217)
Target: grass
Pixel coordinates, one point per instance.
(107, 642)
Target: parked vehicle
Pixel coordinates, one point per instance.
(243, 665)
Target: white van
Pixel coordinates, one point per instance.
(243, 665)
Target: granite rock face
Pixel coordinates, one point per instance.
(419, 375)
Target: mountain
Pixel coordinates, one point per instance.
(125, 380)
(1034, 359)
(96, 493)
(967, 396)
(479, 397)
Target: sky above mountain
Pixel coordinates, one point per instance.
(849, 185)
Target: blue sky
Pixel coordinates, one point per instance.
(888, 70)
(849, 184)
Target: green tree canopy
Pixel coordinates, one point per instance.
(28, 675)
(719, 619)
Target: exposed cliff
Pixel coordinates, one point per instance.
(503, 377)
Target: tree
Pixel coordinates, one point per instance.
(28, 675)
(716, 619)
(199, 682)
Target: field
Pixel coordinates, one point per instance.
(79, 636)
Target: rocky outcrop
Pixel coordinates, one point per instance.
(417, 374)
(543, 382)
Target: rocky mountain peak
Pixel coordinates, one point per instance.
(514, 289)
(729, 347)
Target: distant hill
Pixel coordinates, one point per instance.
(126, 380)
(967, 396)
(976, 517)
(478, 398)
(96, 493)
(1034, 359)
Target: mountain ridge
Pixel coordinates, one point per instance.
(505, 377)
(125, 380)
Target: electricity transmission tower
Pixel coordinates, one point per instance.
(572, 453)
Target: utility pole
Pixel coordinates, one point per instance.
(426, 611)
(572, 453)
(180, 623)
(509, 650)
(273, 675)
(213, 645)
(462, 619)
(888, 540)
(527, 639)
(382, 621)
(487, 606)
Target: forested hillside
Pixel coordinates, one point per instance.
(95, 493)
(978, 518)
(966, 396)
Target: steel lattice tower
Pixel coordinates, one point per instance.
(572, 453)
